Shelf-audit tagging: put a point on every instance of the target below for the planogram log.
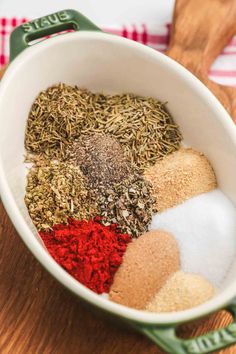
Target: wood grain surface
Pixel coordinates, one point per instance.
(37, 315)
(200, 31)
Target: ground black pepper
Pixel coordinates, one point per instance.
(101, 159)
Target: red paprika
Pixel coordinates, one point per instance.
(88, 250)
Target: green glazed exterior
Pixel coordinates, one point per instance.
(47, 25)
(164, 336)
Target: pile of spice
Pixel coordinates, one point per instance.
(147, 264)
(101, 159)
(56, 118)
(88, 250)
(180, 176)
(55, 191)
(129, 204)
(143, 126)
(62, 114)
(205, 229)
(150, 277)
(181, 291)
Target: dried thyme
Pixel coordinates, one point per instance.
(54, 192)
(143, 126)
(63, 113)
(101, 159)
(129, 204)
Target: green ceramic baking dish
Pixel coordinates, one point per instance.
(99, 61)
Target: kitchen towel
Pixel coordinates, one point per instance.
(223, 70)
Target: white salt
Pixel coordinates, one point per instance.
(205, 228)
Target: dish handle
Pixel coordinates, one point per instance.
(166, 338)
(45, 26)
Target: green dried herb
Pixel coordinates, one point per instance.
(129, 204)
(62, 114)
(55, 191)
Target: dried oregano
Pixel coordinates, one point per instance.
(61, 114)
(129, 204)
(55, 191)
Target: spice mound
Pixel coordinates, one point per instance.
(182, 291)
(143, 126)
(129, 204)
(55, 191)
(147, 264)
(205, 229)
(88, 250)
(62, 113)
(57, 117)
(180, 176)
(101, 159)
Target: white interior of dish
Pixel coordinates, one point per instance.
(103, 62)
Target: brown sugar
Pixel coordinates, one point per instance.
(180, 176)
(147, 264)
(182, 291)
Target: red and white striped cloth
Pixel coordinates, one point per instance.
(222, 71)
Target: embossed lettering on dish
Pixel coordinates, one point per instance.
(212, 341)
(46, 21)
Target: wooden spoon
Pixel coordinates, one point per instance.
(200, 31)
